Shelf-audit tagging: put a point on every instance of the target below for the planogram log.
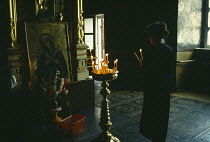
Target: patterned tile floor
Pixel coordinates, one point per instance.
(187, 123)
(189, 119)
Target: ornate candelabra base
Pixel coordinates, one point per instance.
(105, 122)
(108, 137)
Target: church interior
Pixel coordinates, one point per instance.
(83, 33)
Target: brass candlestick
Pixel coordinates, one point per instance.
(105, 122)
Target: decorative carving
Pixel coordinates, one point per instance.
(43, 5)
(12, 32)
(61, 5)
(61, 10)
(80, 23)
(45, 10)
(13, 22)
(82, 65)
(49, 10)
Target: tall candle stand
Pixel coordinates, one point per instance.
(105, 76)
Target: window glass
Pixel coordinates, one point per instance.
(88, 26)
(208, 19)
(189, 24)
(208, 38)
(89, 41)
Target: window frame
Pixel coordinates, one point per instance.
(205, 28)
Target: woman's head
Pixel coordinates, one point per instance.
(46, 41)
(157, 31)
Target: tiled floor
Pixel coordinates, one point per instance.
(92, 120)
(93, 115)
(193, 95)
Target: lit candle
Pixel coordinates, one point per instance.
(136, 56)
(106, 57)
(93, 66)
(91, 58)
(91, 53)
(116, 63)
(140, 50)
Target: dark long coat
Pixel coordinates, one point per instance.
(157, 68)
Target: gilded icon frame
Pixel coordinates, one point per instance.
(59, 32)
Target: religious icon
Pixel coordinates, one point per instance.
(49, 59)
(48, 50)
(51, 63)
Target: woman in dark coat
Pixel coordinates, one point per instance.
(157, 66)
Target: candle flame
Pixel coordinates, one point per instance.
(102, 66)
(140, 50)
